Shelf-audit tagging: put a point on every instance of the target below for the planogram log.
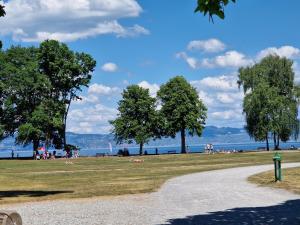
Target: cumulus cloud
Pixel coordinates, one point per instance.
(222, 97)
(284, 51)
(206, 98)
(109, 67)
(229, 98)
(221, 83)
(227, 115)
(296, 69)
(192, 62)
(229, 59)
(153, 88)
(210, 45)
(68, 20)
(87, 99)
(91, 119)
(101, 89)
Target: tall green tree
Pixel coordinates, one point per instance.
(23, 87)
(271, 99)
(67, 71)
(24, 96)
(137, 117)
(212, 7)
(2, 13)
(182, 109)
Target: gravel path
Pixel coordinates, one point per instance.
(208, 198)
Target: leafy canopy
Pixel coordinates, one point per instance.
(271, 99)
(212, 7)
(181, 109)
(137, 116)
(37, 86)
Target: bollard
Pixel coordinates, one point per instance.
(8, 217)
(277, 166)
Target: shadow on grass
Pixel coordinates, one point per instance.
(287, 213)
(23, 193)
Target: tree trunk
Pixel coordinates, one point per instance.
(36, 145)
(276, 141)
(277, 144)
(267, 142)
(65, 122)
(141, 148)
(64, 135)
(183, 147)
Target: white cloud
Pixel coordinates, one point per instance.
(224, 83)
(227, 114)
(229, 98)
(101, 89)
(284, 51)
(206, 98)
(229, 59)
(109, 67)
(91, 119)
(87, 99)
(68, 20)
(210, 45)
(192, 62)
(153, 88)
(296, 69)
(223, 98)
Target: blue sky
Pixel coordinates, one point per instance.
(147, 42)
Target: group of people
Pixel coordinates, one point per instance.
(209, 148)
(72, 153)
(44, 154)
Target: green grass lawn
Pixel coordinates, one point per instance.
(26, 180)
(291, 179)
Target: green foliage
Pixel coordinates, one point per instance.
(23, 86)
(67, 71)
(37, 86)
(2, 11)
(181, 109)
(137, 117)
(212, 7)
(271, 99)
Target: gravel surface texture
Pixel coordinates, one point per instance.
(208, 198)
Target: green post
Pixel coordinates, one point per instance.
(277, 166)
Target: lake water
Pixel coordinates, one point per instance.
(6, 153)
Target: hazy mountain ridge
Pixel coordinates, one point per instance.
(211, 134)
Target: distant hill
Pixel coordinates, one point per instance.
(211, 134)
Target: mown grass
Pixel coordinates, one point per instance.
(290, 179)
(25, 180)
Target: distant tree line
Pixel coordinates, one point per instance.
(37, 86)
(177, 108)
